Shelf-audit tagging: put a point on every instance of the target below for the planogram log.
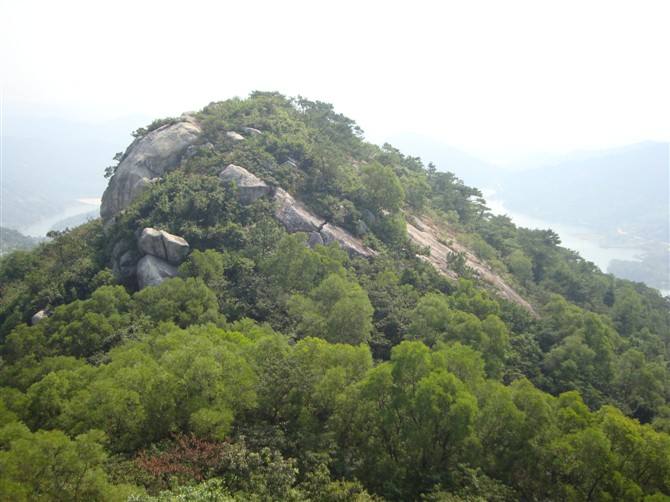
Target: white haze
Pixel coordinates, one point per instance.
(499, 79)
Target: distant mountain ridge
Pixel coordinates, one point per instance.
(623, 190)
(49, 163)
(469, 168)
(11, 240)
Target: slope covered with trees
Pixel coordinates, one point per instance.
(269, 370)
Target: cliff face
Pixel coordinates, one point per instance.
(146, 159)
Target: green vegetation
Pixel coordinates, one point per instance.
(272, 371)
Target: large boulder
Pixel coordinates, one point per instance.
(151, 271)
(249, 186)
(39, 316)
(146, 159)
(163, 245)
(293, 215)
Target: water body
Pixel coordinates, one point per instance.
(78, 207)
(580, 239)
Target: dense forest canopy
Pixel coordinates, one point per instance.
(270, 370)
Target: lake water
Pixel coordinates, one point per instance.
(582, 240)
(80, 206)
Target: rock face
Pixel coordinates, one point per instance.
(294, 216)
(151, 271)
(147, 158)
(348, 242)
(163, 245)
(314, 239)
(176, 247)
(39, 316)
(429, 235)
(124, 260)
(249, 186)
(235, 136)
(291, 213)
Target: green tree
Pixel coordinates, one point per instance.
(382, 188)
(642, 385)
(520, 265)
(338, 310)
(182, 301)
(407, 423)
(431, 318)
(47, 465)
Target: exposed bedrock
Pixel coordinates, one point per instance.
(145, 160)
(152, 270)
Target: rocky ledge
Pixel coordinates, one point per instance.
(291, 213)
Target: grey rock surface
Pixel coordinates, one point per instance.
(124, 260)
(314, 239)
(177, 248)
(125, 266)
(417, 223)
(163, 245)
(235, 136)
(39, 316)
(147, 158)
(291, 213)
(150, 242)
(120, 247)
(294, 215)
(252, 130)
(151, 271)
(348, 242)
(250, 187)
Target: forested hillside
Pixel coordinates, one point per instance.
(337, 361)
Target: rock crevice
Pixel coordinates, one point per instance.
(163, 245)
(153, 258)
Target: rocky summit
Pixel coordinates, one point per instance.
(161, 151)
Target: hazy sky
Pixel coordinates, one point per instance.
(497, 77)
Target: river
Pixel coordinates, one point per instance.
(78, 207)
(584, 241)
